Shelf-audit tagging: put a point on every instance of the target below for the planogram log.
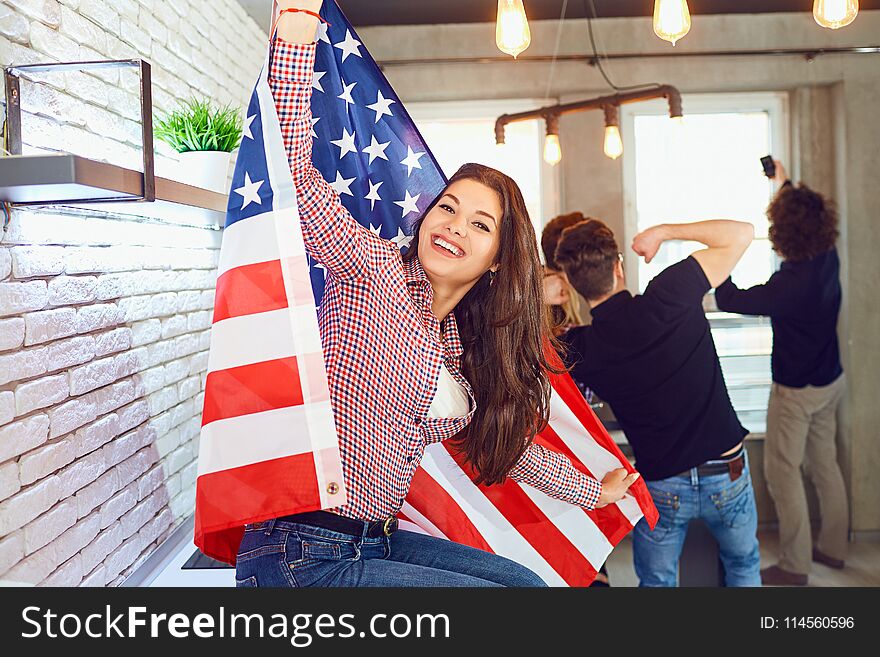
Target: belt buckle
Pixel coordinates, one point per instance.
(387, 525)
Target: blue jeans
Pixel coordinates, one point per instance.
(287, 554)
(728, 509)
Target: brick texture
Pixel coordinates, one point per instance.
(105, 320)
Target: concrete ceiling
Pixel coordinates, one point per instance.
(414, 12)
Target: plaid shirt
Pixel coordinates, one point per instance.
(383, 346)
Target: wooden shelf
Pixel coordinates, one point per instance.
(66, 179)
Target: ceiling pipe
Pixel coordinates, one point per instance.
(807, 53)
(551, 112)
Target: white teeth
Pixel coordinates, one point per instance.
(454, 250)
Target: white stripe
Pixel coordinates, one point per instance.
(248, 241)
(419, 522)
(321, 425)
(258, 239)
(277, 164)
(495, 529)
(597, 459)
(575, 435)
(251, 339)
(238, 441)
(410, 527)
(576, 525)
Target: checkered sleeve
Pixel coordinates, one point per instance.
(552, 473)
(331, 235)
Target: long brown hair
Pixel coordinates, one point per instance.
(504, 327)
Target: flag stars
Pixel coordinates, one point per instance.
(246, 127)
(342, 185)
(322, 32)
(345, 143)
(411, 161)
(314, 121)
(316, 80)
(375, 149)
(376, 230)
(402, 240)
(350, 46)
(408, 204)
(346, 93)
(373, 196)
(381, 106)
(250, 191)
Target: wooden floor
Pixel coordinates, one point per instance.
(862, 564)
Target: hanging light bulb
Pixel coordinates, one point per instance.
(552, 147)
(512, 29)
(613, 142)
(672, 19)
(835, 14)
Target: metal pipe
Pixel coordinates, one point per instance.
(551, 112)
(807, 53)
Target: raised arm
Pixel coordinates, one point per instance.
(725, 241)
(331, 235)
(775, 298)
(552, 473)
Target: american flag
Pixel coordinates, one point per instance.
(368, 148)
(268, 443)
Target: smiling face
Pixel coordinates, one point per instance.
(459, 236)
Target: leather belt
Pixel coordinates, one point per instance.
(336, 523)
(734, 466)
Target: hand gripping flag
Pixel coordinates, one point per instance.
(387, 181)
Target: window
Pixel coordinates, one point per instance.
(460, 132)
(707, 167)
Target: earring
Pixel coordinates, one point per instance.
(491, 277)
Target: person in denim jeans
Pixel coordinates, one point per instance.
(284, 553)
(728, 509)
(652, 358)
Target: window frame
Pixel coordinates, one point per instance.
(775, 103)
(449, 110)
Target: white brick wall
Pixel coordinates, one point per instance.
(194, 48)
(105, 321)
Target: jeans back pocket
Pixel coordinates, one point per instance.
(736, 503)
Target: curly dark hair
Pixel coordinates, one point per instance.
(803, 223)
(553, 231)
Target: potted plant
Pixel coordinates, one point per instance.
(204, 137)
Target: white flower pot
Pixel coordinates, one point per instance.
(205, 169)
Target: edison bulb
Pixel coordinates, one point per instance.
(613, 142)
(552, 149)
(672, 19)
(835, 14)
(512, 29)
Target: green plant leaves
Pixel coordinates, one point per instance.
(199, 126)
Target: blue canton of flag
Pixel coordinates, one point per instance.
(364, 142)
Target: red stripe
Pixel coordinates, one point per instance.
(534, 526)
(252, 389)
(609, 519)
(229, 499)
(568, 392)
(250, 289)
(431, 500)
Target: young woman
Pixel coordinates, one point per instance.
(558, 291)
(444, 343)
